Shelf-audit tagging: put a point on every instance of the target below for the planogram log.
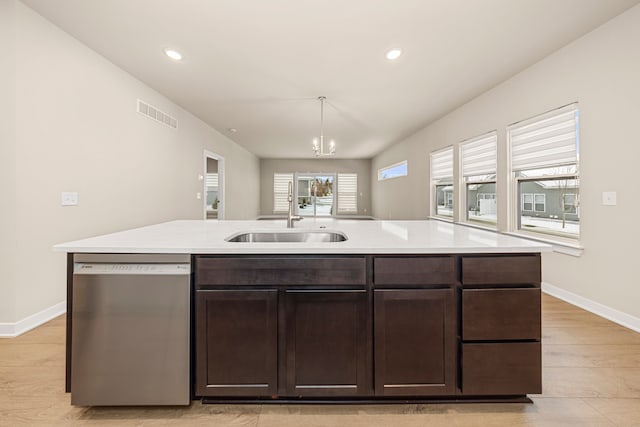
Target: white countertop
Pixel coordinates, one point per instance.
(364, 237)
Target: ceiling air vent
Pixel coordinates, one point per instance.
(156, 114)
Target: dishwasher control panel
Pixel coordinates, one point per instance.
(124, 268)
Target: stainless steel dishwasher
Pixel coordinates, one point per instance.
(130, 330)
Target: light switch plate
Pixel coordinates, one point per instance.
(609, 198)
(69, 198)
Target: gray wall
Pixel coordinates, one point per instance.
(77, 129)
(270, 166)
(600, 71)
(7, 158)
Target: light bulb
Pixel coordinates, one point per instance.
(173, 54)
(394, 54)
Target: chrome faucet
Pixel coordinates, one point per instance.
(291, 217)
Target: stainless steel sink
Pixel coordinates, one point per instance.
(288, 236)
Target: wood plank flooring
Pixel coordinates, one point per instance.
(591, 377)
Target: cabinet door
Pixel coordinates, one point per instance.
(414, 336)
(327, 343)
(236, 343)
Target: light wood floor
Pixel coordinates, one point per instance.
(591, 377)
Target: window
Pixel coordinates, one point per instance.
(442, 182)
(478, 165)
(569, 203)
(539, 203)
(281, 192)
(347, 193)
(533, 202)
(544, 169)
(393, 171)
(527, 202)
(486, 196)
(212, 201)
(315, 194)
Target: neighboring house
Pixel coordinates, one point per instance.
(444, 196)
(551, 199)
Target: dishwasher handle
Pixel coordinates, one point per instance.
(119, 269)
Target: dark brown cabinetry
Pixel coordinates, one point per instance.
(287, 326)
(414, 325)
(367, 326)
(236, 342)
(501, 314)
(501, 351)
(501, 368)
(293, 270)
(327, 343)
(415, 342)
(403, 271)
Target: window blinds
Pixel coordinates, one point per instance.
(545, 141)
(347, 193)
(478, 155)
(442, 164)
(212, 180)
(281, 191)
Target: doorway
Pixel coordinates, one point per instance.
(315, 194)
(213, 186)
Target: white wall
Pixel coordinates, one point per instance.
(78, 130)
(7, 157)
(602, 72)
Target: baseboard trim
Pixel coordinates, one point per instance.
(617, 316)
(11, 330)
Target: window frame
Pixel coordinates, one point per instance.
(536, 203)
(381, 171)
(533, 200)
(523, 197)
(436, 182)
(574, 204)
(484, 176)
(568, 170)
(314, 175)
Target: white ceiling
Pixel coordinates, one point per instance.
(259, 65)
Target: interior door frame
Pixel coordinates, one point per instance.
(221, 181)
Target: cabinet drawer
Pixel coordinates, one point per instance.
(501, 314)
(501, 270)
(402, 271)
(290, 270)
(501, 369)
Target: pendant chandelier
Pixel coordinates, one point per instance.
(318, 144)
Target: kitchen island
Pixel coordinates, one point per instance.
(401, 310)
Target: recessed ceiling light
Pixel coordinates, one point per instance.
(394, 54)
(173, 54)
